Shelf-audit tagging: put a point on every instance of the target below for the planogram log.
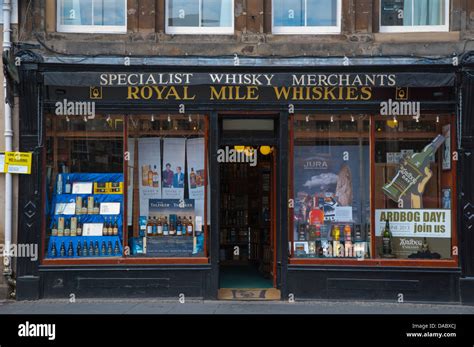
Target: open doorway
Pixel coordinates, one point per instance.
(247, 222)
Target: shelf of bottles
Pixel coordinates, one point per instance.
(318, 234)
(86, 216)
(175, 225)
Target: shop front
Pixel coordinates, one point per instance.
(200, 178)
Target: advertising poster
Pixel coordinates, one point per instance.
(331, 185)
(150, 171)
(173, 168)
(417, 233)
(131, 162)
(195, 158)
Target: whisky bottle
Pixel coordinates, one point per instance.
(67, 187)
(54, 230)
(70, 250)
(103, 249)
(104, 227)
(73, 226)
(149, 227)
(154, 227)
(190, 227)
(117, 248)
(91, 249)
(78, 205)
(59, 184)
(62, 250)
(110, 228)
(159, 227)
(150, 177)
(84, 206)
(90, 205)
(411, 171)
(179, 227)
(96, 249)
(79, 227)
(156, 180)
(84, 249)
(115, 228)
(79, 249)
(67, 228)
(387, 239)
(54, 251)
(347, 233)
(96, 209)
(166, 231)
(109, 248)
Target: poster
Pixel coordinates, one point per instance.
(195, 159)
(131, 163)
(173, 168)
(166, 207)
(446, 163)
(331, 184)
(416, 233)
(150, 171)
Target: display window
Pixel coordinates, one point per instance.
(126, 188)
(372, 189)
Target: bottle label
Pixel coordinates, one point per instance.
(160, 229)
(149, 229)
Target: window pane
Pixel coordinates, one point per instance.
(166, 167)
(413, 180)
(216, 13)
(413, 12)
(288, 12)
(331, 187)
(84, 195)
(321, 12)
(75, 12)
(109, 12)
(183, 13)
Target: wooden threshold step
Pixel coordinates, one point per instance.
(249, 294)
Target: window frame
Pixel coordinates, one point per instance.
(90, 29)
(416, 28)
(374, 260)
(123, 259)
(198, 30)
(308, 30)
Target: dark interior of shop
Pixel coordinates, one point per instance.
(245, 214)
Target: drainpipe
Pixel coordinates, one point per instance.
(7, 270)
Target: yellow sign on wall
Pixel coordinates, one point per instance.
(16, 162)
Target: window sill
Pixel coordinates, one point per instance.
(406, 37)
(376, 262)
(126, 261)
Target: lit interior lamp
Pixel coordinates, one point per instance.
(67, 119)
(352, 119)
(393, 123)
(190, 119)
(332, 119)
(152, 117)
(108, 118)
(265, 150)
(437, 119)
(239, 148)
(85, 119)
(307, 118)
(169, 118)
(248, 151)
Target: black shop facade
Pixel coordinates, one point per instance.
(262, 180)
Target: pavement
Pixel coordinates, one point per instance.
(155, 306)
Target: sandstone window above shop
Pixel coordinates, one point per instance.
(92, 16)
(306, 16)
(200, 17)
(414, 15)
